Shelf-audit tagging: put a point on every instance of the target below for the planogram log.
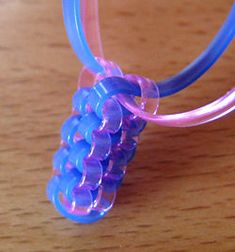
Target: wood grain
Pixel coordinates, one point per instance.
(179, 192)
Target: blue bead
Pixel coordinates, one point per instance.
(79, 151)
(88, 123)
(69, 129)
(105, 164)
(116, 137)
(108, 87)
(52, 186)
(68, 182)
(80, 100)
(60, 160)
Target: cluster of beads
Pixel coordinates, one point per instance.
(99, 140)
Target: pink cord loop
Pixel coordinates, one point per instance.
(147, 107)
(88, 78)
(110, 69)
(149, 101)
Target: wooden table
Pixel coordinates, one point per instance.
(179, 192)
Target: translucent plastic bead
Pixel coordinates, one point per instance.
(149, 96)
(117, 165)
(133, 125)
(116, 137)
(81, 204)
(105, 198)
(112, 116)
(60, 160)
(88, 123)
(101, 144)
(92, 173)
(106, 88)
(69, 129)
(80, 100)
(77, 154)
(68, 182)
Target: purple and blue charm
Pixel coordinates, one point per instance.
(99, 139)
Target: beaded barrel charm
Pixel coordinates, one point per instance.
(98, 141)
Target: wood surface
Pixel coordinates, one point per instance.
(179, 192)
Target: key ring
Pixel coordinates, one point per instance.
(100, 138)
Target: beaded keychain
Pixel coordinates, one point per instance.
(99, 139)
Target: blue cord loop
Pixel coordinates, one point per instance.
(74, 27)
(98, 142)
(186, 77)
